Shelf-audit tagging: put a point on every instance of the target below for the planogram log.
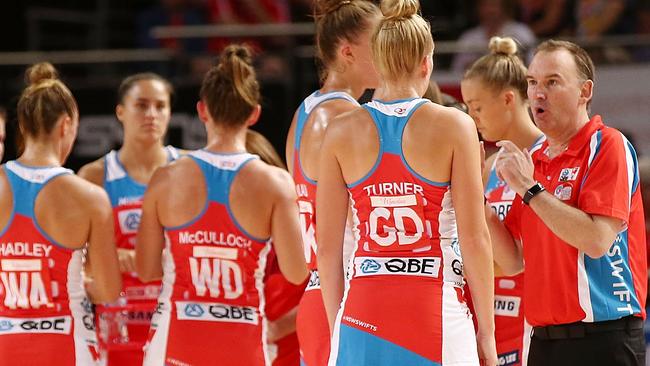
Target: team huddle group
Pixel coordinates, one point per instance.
(379, 245)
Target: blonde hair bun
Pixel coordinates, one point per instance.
(40, 72)
(399, 9)
(503, 46)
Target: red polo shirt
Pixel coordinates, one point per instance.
(598, 174)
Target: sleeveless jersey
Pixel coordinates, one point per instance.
(45, 315)
(126, 198)
(403, 304)
(311, 322)
(306, 187)
(212, 282)
(281, 297)
(511, 330)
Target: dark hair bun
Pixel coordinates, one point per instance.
(237, 51)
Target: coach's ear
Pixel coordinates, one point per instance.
(202, 110)
(587, 91)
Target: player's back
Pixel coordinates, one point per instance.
(214, 262)
(45, 316)
(407, 260)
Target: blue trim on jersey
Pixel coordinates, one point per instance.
(301, 121)
(232, 216)
(218, 183)
(382, 147)
(610, 282)
(599, 139)
(493, 181)
(13, 208)
(635, 182)
(125, 187)
(396, 101)
(28, 192)
(390, 130)
(357, 347)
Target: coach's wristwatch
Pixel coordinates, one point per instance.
(532, 192)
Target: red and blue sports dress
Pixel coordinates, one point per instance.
(126, 199)
(311, 323)
(211, 307)
(45, 315)
(512, 333)
(403, 304)
(281, 297)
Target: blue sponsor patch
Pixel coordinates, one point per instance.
(6, 325)
(370, 266)
(194, 310)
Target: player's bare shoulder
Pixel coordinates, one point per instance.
(268, 179)
(446, 122)
(93, 172)
(80, 194)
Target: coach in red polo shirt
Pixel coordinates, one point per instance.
(577, 225)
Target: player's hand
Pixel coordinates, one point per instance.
(126, 258)
(487, 349)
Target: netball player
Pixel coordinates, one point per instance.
(343, 31)
(214, 213)
(282, 296)
(412, 171)
(494, 89)
(144, 110)
(47, 216)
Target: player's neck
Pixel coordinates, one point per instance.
(41, 154)
(225, 140)
(141, 156)
(397, 90)
(337, 81)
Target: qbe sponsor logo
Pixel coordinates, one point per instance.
(51, 325)
(215, 312)
(508, 359)
(417, 266)
(507, 305)
(129, 220)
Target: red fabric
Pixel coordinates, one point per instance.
(552, 290)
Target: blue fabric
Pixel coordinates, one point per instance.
(357, 348)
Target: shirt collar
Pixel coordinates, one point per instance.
(579, 140)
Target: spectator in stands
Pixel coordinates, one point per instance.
(642, 53)
(595, 18)
(253, 12)
(546, 18)
(170, 13)
(189, 52)
(598, 18)
(495, 19)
